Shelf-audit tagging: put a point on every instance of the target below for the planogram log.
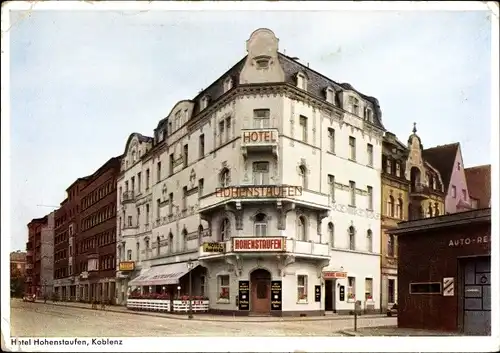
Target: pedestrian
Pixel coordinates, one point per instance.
(34, 296)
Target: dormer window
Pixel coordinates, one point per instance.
(301, 81)
(368, 115)
(330, 95)
(228, 84)
(160, 136)
(204, 102)
(354, 105)
(262, 62)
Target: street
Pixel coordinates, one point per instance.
(47, 320)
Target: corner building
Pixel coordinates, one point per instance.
(269, 181)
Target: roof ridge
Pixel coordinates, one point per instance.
(443, 146)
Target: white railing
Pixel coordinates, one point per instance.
(307, 248)
(182, 306)
(149, 304)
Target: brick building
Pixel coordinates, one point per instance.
(95, 243)
(17, 263)
(479, 185)
(444, 273)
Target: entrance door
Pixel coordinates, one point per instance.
(260, 282)
(329, 295)
(477, 297)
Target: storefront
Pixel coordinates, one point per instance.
(444, 272)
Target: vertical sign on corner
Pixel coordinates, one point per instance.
(276, 295)
(448, 286)
(244, 295)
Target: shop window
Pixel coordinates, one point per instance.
(351, 288)
(425, 288)
(223, 284)
(368, 288)
(391, 289)
(302, 287)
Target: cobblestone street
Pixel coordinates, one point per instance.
(38, 319)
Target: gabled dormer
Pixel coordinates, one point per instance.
(330, 95)
(228, 84)
(204, 101)
(301, 80)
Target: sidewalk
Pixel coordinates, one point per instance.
(395, 331)
(205, 317)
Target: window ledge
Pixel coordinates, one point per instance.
(332, 153)
(223, 301)
(351, 300)
(302, 301)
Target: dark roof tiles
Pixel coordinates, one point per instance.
(443, 159)
(479, 184)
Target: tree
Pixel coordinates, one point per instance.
(16, 284)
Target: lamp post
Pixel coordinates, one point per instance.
(190, 267)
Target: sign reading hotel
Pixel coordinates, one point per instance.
(267, 244)
(483, 239)
(126, 266)
(214, 247)
(259, 136)
(259, 191)
(334, 275)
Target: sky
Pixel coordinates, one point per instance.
(82, 82)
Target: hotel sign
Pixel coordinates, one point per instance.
(468, 241)
(214, 247)
(126, 266)
(260, 136)
(266, 244)
(266, 191)
(355, 211)
(334, 275)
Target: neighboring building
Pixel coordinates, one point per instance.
(444, 272)
(479, 185)
(270, 177)
(17, 264)
(39, 256)
(66, 229)
(411, 189)
(95, 241)
(448, 161)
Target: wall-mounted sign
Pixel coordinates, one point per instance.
(259, 191)
(126, 266)
(84, 275)
(260, 136)
(334, 275)
(468, 241)
(276, 301)
(342, 293)
(448, 286)
(244, 295)
(214, 247)
(317, 294)
(268, 244)
(354, 211)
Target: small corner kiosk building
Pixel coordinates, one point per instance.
(444, 272)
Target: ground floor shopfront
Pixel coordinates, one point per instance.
(85, 289)
(389, 288)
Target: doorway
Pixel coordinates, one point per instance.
(330, 295)
(260, 288)
(477, 296)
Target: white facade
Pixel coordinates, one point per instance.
(323, 151)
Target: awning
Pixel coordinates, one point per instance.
(162, 275)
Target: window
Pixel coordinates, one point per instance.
(352, 238)
(225, 178)
(390, 245)
(352, 148)
(260, 225)
(137, 251)
(458, 165)
(261, 119)
(228, 84)
(436, 209)
(158, 245)
(147, 213)
(158, 172)
(429, 210)
(331, 140)
(130, 221)
(303, 176)
(331, 234)
(221, 132)
(147, 179)
(201, 146)
(369, 240)
(171, 164)
(354, 103)
(185, 155)
(330, 95)
(184, 239)
(301, 81)
(223, 284)
(303, 128)
(425, 288)
(225, 230)
(204, 103)
(391, 291)
(146, 246)
(351, 288)
(262, 62)
(302, 287)
(464, 194)
(184, 198)
(352, 190)
(390, 206)
(369, 190)
(138, 210)
(369, 153)
(453, 191)
(368, 115)
(261, 173)
(399, 209)
(158, 202)
(398, 170)
(474, 203)
(388, 166)
(170, 204)
(129, 255)
(301, 228)
(170, 243)
(201, 183)
(200, 234)
(368, 288)
(228, 128)
(331, 184)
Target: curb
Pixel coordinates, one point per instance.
(228, 318)
(350, 333)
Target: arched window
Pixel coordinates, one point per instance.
(390, 206)
(390, 245)
(429, 210)
(399, 213)
(436, 209)
(260, 225)
(301, 228)
(158, 245)
(200, 234)
(224, 178)
(421, 213)
(184, 239)
(303, 176)
(225, 230)
(170, 242)
(146, 245)
(369, 240)
(352, 238)
(331, 234)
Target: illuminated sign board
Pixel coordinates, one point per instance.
(259, 191)
(214, 247)
(126, 266)
(265, 244)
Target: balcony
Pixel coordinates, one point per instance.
(128, 196)
(259, 141)
(264, 194)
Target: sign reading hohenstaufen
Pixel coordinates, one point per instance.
(264, 244)
(265, 191)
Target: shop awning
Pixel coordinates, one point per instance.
(162, 275)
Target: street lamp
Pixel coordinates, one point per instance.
(190, 265)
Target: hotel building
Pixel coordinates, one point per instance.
(269, 182)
